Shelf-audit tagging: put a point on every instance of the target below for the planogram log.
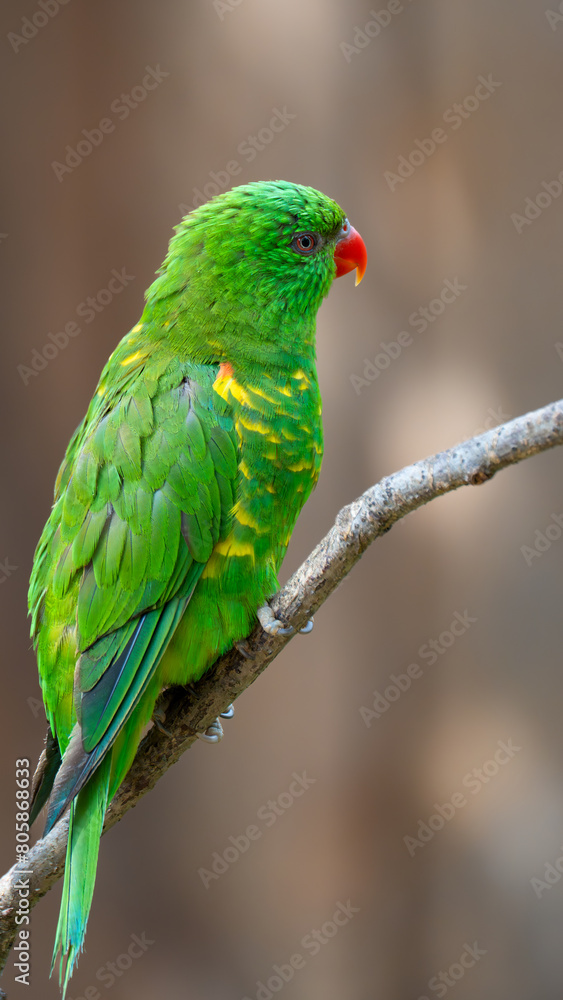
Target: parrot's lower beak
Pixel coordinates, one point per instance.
(350, 253)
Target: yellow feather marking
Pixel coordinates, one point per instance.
(222, 383)
(245, 470)
(301, 376)
(318, 448)
(212, 567)
(262, 394)
(226, 385)
(288, 436)
(101, 391)
(221, 386)
(133, 357)
(228, 547)
(241, 394)
(299, 466)
(137, 328)
(270, 489)
(255, 425)
(244, 516)
(231, 547)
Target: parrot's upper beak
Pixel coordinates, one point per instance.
(350, 253)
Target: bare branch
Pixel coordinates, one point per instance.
(357, 525)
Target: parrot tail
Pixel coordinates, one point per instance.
(85, 830)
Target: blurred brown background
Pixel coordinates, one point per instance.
(489, 356)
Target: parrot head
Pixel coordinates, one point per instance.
(259, 257)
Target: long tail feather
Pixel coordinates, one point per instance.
(86, 821)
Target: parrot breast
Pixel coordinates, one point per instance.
(277, 421)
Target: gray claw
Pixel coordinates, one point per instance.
(270, 624)
(307, 628)
(213, 733)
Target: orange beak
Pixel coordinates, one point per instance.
(350, 253)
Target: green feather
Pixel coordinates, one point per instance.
(223, 452)
(85, 829)
(84, 476)
(86, 539)
(107, 557)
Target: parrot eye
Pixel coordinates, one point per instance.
(305, 243)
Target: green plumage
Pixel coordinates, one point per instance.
(178, 494)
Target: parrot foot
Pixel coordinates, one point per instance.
(214, 732)
(158, 718)
(273, 626)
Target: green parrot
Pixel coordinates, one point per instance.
(178, 495)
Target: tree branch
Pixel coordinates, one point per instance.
(357, 525)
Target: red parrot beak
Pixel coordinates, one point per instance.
(350, 253)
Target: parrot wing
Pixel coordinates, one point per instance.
(146, 492)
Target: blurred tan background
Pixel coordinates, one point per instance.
(360, 94)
